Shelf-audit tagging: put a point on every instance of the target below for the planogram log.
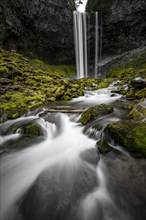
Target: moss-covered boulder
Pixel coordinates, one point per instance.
(32, 130)
(138, 112)
(95, 111)
(141, 94)
(129, 134)
(103, 147)
(59, 92)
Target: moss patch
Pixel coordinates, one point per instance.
(32, 130)
(95, 111)
(129, 134)
(27, 84)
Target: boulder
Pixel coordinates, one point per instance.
(95, 111)
(32, 130)
(129, 134)
(138, 112)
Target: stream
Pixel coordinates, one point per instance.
(60, 175)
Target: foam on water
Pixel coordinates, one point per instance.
(101, 96)
(19, 170)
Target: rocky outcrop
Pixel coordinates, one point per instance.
(123, 24)
(41, 28)
(44, 28)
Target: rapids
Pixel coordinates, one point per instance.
(61, 176)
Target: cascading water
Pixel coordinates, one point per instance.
(80, 36)
(82, 47)
(60, 175)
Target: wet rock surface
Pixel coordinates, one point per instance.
(96, 111)
(129, 134)
(37, 28)
(57, 199)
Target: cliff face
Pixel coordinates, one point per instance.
(124, 28)
(37, 27)
(44, 28)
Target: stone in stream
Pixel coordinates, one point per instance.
(57, 191)
(129, 134)
(95, 111)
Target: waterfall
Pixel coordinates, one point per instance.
(80, 34)
(96, 44)
(82, 47)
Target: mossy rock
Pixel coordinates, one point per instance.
(76, 86)
(59, 92)
(138, 84)
(129, 134)
(13, 114)
(95, 111)
(103, 147)
(32, 130)
(30, 83)
(141, 94)
(130, 94)
(138, 112)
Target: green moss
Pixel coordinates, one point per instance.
(31, 83)
(59, 92)
(71, 4)
(138, 112)
(32, 130)
(141, 94)
(131, 135)
(105, 83)
(103, 147)
(122, 72)
(95, 111)
(4, 70)
(130, 94)
(135, 66)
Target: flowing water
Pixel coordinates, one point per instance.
(60, 175)
(80, 36)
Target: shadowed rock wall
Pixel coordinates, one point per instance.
(37, 27)
(44, 28)
(123, 23)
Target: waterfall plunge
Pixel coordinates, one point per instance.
(80, 33)
(80, 37)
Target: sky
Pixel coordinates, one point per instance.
(81, 5)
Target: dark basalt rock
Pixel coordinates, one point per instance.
(41, 28)
(138, 84)
(44, 28)
(123, 24)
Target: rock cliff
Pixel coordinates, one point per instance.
(123, 24)
(40, 28)
(44, 28)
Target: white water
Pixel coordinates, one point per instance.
(19, 170)
(96, 44)
(100, 96)
(60, 152)
(80, 37)
(99, 202)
